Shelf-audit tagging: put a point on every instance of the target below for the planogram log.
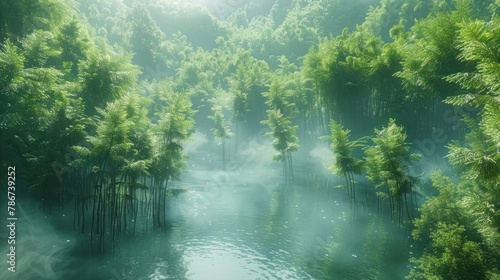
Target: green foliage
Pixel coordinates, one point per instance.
(339, 14)
(248, 77)
(300, 91)
(108, 18)
(221, 128)
(445, 208)
(12, 63)
(344, 161)
(387, 164)
(172, 130)
(145, 37)
(249, 72)
(453, 256)
(479, 158)
(220, 103)
(299, 30)
(175, 51)
(240, 106)
(104, 78)
(37, 49)
(452, 243)
(27, 94)
(20, 18)
(285, 142)
(279, 119)
(345, 164)
(279, 98)
(478, 42)
(195, 76)
(380, 18)
(39, 118)
(74, 43)
(196, 23)
(387, 161)
(111, 163)
(258, 37)
(354, 78)
(433, 55)
(460, 225)
(112, 141)
(61, 82)
(121, 141)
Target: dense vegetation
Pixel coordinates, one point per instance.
(98, 98)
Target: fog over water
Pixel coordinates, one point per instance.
(243, 221)
(249, 139)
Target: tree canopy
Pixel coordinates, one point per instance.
(99, 98)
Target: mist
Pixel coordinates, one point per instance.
(243, 220)
(249, 139)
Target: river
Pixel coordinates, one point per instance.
(241, 223)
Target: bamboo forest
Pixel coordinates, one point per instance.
(250, 139)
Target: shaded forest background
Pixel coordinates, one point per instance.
(98, 98)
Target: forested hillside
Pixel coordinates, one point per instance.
(99, 97)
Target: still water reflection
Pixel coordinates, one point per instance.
(244, 223)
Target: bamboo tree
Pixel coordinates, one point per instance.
(341, 68)
(430, 55)
(479, 158)
(302, 95)
(279, 98)
(34, 102)
(246, 84)
(20, 18)
(450, 235)
(316, 69)
(38, 49)
(172, 130)
(110, 140)
(285, 142)
(458, 227)
(345, 164)
(220, 103)
(387, 164)
(145, 38)
(280, 114)
(74, 43)
(116, 157)
(104, 78)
